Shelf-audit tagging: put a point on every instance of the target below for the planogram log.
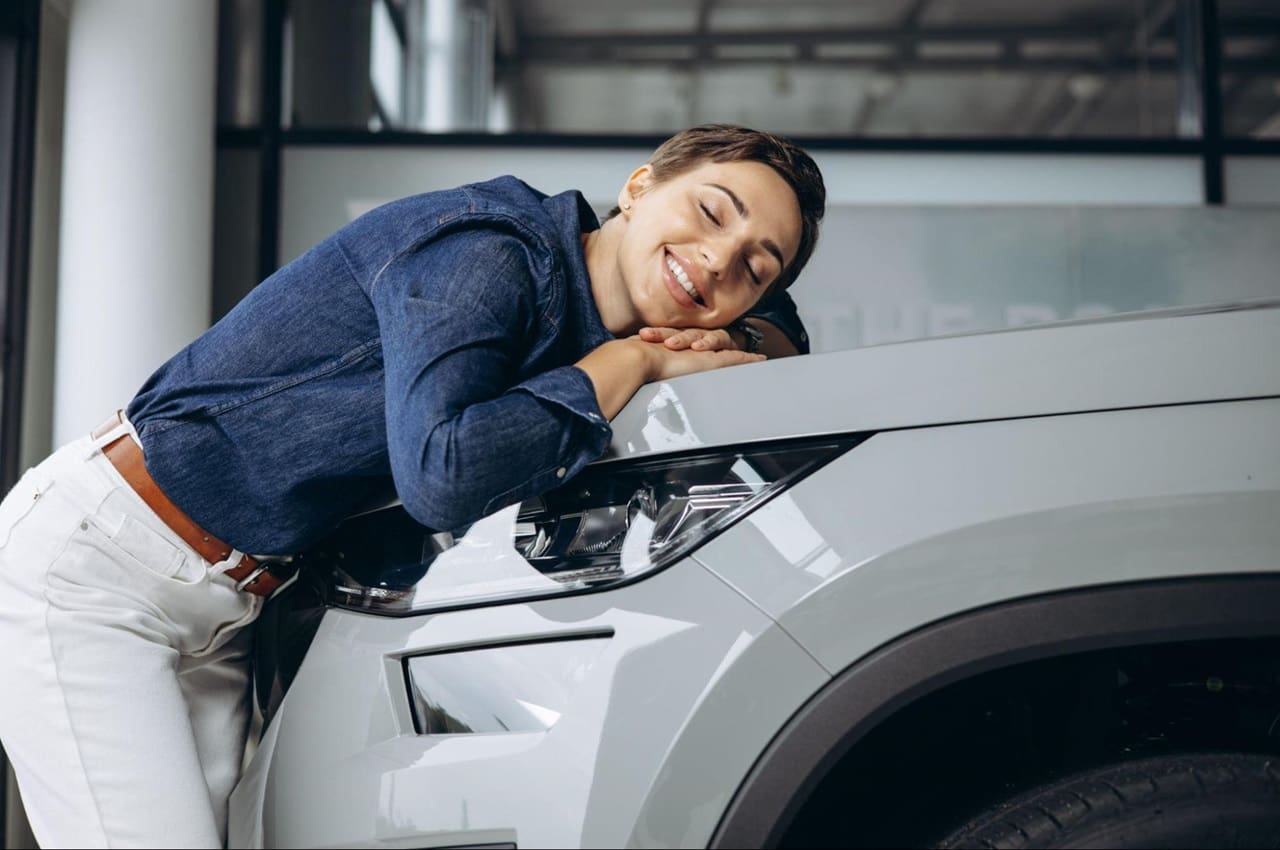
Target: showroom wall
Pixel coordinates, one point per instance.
(912, 245)
(989, 164)
(996, 166)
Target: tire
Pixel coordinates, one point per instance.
(1208, 800)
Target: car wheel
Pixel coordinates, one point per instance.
(1208, 800)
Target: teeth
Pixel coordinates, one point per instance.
(683, 279)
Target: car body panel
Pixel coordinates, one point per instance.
(1040, 371)
(960, 517)
(356, 774)
(1237, 614)
(1000, 467)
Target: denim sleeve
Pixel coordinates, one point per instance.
(778, 309)
(466, 436)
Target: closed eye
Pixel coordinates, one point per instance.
(711, 216)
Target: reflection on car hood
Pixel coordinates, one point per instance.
(1142, 359)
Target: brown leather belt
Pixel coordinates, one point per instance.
(126, 456)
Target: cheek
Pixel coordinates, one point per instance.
(638, 266)
(747, 297)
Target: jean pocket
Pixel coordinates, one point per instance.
(20, 501)
(250, 607)
(151, 550)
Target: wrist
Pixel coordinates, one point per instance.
(642, 357)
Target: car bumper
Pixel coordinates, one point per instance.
(685, 686)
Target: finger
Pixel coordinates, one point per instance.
(677, 363)
(657, 334)
(751, 358)
(733, 358)
(685, 338)
(717, 340)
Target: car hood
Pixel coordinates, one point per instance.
(1187, 355)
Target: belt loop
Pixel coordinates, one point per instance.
(228, 563)
(123, 426)
(133, 432)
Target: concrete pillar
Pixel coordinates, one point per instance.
(452, 60)
(135, 253)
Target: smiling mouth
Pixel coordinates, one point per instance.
(683, 279)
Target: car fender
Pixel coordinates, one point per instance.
(915, 526)
(870, 691)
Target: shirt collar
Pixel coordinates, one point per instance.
(573, 217)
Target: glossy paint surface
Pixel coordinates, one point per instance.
(1114, 362)
(342, 765)
(916, 525)
(1001, 470)
(520, 688)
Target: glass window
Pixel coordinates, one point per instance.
(903, 68)
(1250, 68)
(908, 272)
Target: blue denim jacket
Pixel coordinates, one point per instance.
(423, 350)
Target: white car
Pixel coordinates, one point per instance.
(1007, 589)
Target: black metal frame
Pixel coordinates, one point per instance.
(1211, 100)
(19, 21)
(270, 139)
(267, 136)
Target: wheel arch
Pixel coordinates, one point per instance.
(872, 689)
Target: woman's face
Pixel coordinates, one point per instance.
(701, 248)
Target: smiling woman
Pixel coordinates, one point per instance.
(462, 349)
(760, 161)
(724, 143)
(718, 219)
(692, 254)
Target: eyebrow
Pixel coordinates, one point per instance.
(769, 244)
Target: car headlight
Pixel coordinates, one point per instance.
(611, 524)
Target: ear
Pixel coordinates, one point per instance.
(639, 181)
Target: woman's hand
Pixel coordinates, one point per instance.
(694, 339)
(684, 352)
(620, 366)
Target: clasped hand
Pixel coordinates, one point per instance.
(682, 351)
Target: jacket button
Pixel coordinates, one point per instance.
(560, 473)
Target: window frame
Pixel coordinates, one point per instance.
(270, 138)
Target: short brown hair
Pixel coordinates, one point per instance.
(731, 143)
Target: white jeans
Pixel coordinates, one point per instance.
(124, 667)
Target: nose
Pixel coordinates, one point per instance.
(717, 254)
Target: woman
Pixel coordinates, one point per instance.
(466, 347)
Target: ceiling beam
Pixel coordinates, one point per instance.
(541, 43)
(899, 47)
(892, 64)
